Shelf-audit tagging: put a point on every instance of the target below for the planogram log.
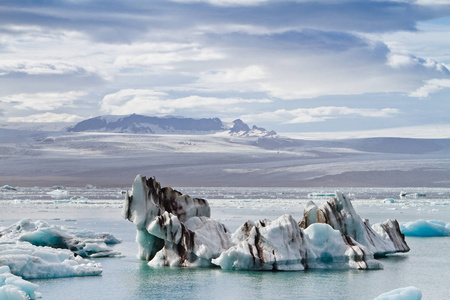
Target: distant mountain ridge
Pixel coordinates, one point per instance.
(145, 124)
(166, 125)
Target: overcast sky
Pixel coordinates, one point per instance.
(291, 65)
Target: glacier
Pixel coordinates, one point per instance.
(176, 230)
(425, 228)
(39, 233)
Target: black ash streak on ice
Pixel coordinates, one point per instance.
(176, 230)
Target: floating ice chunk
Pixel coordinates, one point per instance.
(175, 230)
(265, 245)
(426, 228)
(57, 193)
(40, 233)
(332, 249)
(13, 287)
(30, 261)
(388, 200)
(7, 188)
(339, 213)
(407, 293)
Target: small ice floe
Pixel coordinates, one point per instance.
(58, 187)
(33, 262)
(425, 228)
(14, 287)
(411, 195)
(58, 193)
(6, 188)
(321, 195)
(78, 199)
(40, 233)
(90, 187)
(407, 293)
(388, 200)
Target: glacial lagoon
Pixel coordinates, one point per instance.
(127, 277)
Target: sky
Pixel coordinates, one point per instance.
(287, 65)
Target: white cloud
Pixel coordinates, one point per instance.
(151, 102)
(317, 114)
(430, 87)
(146, 60)
(38, 67)
(42, 101)
(47, 117)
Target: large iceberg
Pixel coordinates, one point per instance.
(425, 228)
(39, 233)
(176, 230)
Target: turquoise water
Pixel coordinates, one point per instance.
(426, 266)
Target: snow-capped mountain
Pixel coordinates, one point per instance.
(144, 124)
(167, 125)
(241, 129)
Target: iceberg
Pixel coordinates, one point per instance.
(40, 233)
(426, 228)
(176, 230)
(339, 213)
(7, 188)
(15, 288)
(281, 245)
(31, 262)
(407, 293)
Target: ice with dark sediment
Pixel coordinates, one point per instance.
(176, 230)
(338, 212)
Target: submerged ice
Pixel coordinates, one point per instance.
(176, 230)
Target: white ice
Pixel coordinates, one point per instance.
(30, 261)
(13, 287)
(407, 293)
(40, 233)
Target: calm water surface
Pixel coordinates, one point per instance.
(426, 266)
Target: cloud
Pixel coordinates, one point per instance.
(151, 102)
(38, 67)
(42, 101)
(431, 86)
(318, 114)
(167, 57)
(47, 117)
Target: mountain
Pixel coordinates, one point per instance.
(166, 125)
(144, 124)
(241, 129)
